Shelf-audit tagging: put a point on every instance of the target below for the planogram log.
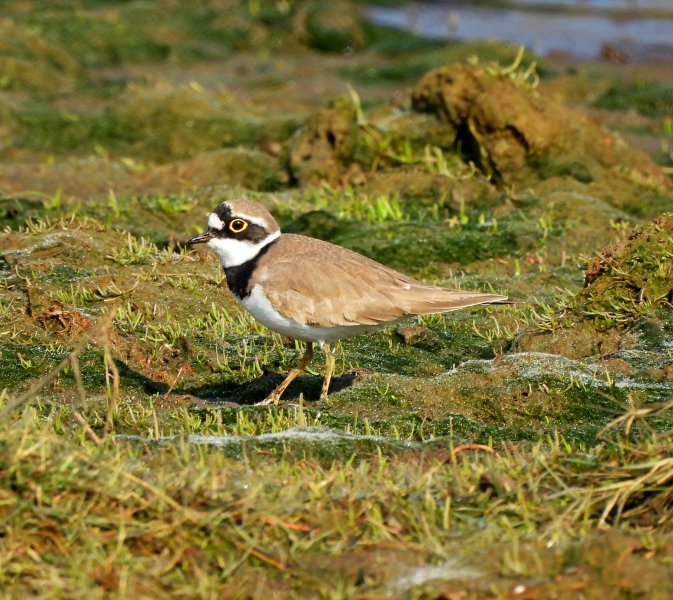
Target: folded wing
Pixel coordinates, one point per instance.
(345, 288)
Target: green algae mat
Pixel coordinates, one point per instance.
(502, 452)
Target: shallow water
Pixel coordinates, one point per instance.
(581, 29)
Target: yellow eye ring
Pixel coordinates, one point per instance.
(238, 225)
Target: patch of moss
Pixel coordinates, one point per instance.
(62, 275)
(386, 353)
(319, 224)
(572, 168)
(40, 126)
(412, 246)
(650, 98)
(29, 62)
(331, 26)
(97, 39)
(460, 427)
(183, 122)
(516, 396)
(15, 211)
(373, 73)
(655, 334)
(627, 281)
(395, 43)
(21, 363)
(157, 125)
(624, 304)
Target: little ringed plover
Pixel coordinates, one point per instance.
(314, 291)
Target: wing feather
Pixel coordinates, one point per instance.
(325, 285)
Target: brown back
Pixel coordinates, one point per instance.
(325, 285)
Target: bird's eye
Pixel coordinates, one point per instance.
(238, 225)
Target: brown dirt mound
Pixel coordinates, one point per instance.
(485, 116)
(626, 284)
(513, 135)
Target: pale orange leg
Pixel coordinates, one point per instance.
(274, 397)
(330, 362)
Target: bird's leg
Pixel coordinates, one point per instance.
(330, 361)
(274, 397)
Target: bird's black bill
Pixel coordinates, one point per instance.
(201, 239)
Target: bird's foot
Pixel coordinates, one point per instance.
(269, 400)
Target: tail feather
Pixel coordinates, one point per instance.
(450, 300)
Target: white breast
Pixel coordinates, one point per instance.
(258, 305)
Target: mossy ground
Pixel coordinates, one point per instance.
(520, 449)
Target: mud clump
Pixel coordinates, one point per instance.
(630, 279)
(498, 126)
(511, 134)
(324, 150)
(576, 340)
(341, 146)
(485, 118)
(628, 287)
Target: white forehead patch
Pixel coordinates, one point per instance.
(214, 222)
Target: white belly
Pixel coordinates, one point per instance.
(258, 305)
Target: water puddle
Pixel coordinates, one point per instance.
(639, 30)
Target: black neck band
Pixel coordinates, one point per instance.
(238, 277)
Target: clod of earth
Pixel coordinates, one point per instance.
(628, 289)
(514, 136)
